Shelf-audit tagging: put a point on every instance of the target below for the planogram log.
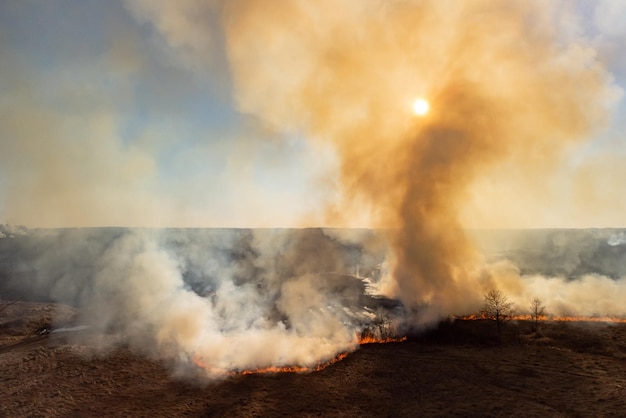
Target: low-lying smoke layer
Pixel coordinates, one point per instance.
(234, 299)
(240, 300)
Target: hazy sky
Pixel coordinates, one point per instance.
(159, 113)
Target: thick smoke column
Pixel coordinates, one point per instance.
(504, 84)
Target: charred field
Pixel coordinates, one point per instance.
(455, 369)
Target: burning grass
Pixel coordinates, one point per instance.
(364, 338)
(212, 371)
(370, 339)
(579, 318)
(473, 330)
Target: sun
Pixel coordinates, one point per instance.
(421, 107)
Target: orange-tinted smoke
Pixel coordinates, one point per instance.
(503, 82)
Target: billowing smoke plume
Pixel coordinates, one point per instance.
(503, 82)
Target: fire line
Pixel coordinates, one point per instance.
(363, 339)
(609, 319)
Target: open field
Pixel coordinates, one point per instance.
(567, 369)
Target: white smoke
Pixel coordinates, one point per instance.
(617, 239)
(590, 295)
(243, 324)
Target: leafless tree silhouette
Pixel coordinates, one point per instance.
(497, 308)
(537, 312)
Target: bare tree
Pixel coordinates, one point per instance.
(537, 312)
(497, 308)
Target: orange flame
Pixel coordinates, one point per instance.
(296, 369)
(362, 339)
(268, 370)
(369, 339)
(588, 319)
(580, 318)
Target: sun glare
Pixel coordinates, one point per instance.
(420, 107)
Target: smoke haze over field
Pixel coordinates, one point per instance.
(242, 299)
(253, 113)
(234, 299)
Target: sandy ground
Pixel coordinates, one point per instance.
(564, 370)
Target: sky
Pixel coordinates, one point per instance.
(247, 113)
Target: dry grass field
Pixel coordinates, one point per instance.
(457, 369)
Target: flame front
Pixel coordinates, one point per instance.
(577, 318)
(369, 339)
(296, 369)
(363, 338)
(267, 370)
